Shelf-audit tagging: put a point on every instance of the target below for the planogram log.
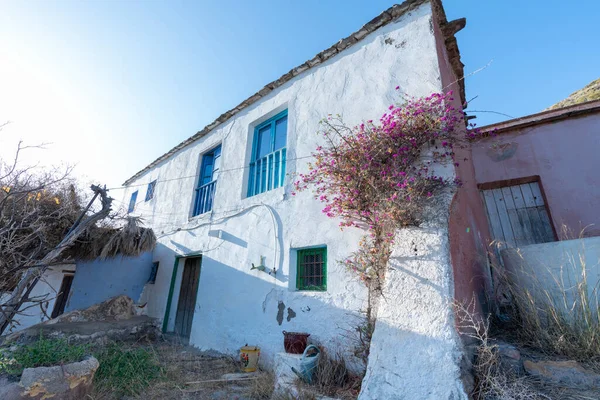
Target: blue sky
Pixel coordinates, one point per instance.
(115, 84)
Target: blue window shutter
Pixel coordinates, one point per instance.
(205, 191)
(280, 133)
(267, 166)
(150, 190)
(132, 202)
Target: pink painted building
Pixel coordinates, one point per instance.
(533, 180)
(553, 154)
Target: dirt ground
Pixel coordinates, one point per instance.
(193, 374)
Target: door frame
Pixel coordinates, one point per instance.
(178, 257)
(519, 181)
(62, 294)
(188, 296)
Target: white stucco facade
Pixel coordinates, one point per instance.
(415, 350)
(237, 306)
(44, 293)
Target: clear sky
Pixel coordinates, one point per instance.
(115, 84)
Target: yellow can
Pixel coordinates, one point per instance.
(249, 358)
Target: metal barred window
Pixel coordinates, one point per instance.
(267, 168)
(312, 269)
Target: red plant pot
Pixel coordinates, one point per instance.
(295, 342)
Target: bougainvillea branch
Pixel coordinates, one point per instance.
(380, 176)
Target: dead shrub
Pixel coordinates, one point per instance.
(262, 387)
(492, 381)
(332, 377)
(563, 319)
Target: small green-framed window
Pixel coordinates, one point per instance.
(311, 272)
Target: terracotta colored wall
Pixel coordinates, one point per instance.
(468, 227)
(564, 154)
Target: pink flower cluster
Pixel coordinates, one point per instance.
(380, 175)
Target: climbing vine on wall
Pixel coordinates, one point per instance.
(381, 176)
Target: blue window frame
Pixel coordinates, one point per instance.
(132, 202)
(267, 166)
(205, 191)
(150, 190)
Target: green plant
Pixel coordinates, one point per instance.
(126, 371)
(42, 353)
(383, 176)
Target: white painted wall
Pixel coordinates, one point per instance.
(415, 349)
(45, 291)
(236, 306)
(556, 270)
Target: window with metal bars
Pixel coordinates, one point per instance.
(311, 272)
(267, 166)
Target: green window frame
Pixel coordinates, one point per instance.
(311, 269)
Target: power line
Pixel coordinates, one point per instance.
(197, 175)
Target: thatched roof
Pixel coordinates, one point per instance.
(106, 242)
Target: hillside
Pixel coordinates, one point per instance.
(588, 93)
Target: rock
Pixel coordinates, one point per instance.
(9, 390)
(63, 382)
(113, 319)
(285, 378)
(569, 373)
(510, 358)
(133, 329)
(116, 308)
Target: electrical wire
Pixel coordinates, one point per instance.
(277, 245)
(196, 175)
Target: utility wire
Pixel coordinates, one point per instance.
(197, 175)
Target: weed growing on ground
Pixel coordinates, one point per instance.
(126, 371)
(44, 352)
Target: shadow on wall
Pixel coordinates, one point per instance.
(234, 307)
(99, 280)
(237, 307)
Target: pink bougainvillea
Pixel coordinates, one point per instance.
(380, 175)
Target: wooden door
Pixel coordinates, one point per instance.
(518, 216)
(62, 296)
(187, 297)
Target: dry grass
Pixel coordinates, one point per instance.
(189, 374)
(262, 388)
(493, 382)
(107, 241)
(132, 239)
(553, 314)
(562, 320)
(332, 378)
